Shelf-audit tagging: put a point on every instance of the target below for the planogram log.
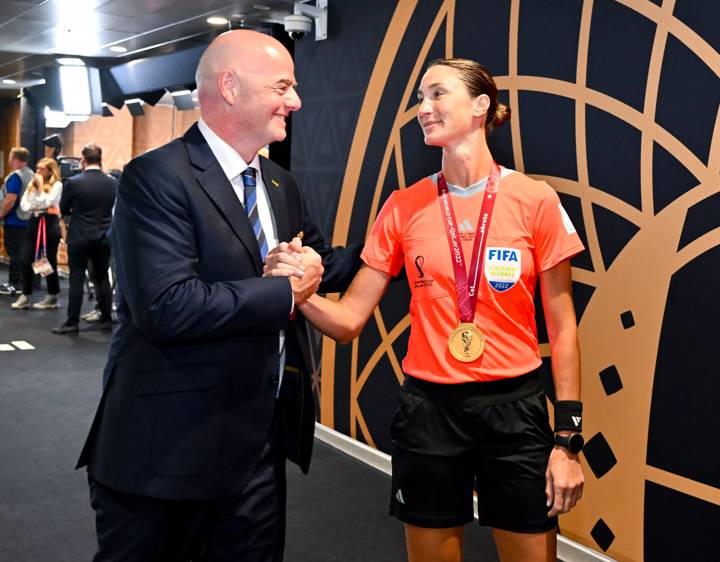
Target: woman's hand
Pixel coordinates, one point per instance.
(564, 481)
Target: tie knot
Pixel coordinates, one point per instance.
(248, 176)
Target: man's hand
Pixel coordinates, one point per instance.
(302, 265)
(563, 481)
(284, 260)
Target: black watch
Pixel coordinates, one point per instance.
(573, 443)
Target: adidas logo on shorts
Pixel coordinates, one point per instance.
(399, 497)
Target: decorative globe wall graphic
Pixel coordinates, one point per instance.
(615, 104)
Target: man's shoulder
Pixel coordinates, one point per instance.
(13, 182)
(161, 155)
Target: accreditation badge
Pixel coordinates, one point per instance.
(466, 342)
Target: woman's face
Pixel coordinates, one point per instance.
(447, 112)
(43, 171)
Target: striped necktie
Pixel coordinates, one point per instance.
(250, 185)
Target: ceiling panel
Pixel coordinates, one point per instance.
(13, 8)
(89, 27)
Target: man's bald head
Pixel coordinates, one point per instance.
(242, 51)
(246, 89)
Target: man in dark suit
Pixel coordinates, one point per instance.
(206, 389)
(88, 200)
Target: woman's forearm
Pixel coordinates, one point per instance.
(331, 318)
(344, 319)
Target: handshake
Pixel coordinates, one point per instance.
(301, 264)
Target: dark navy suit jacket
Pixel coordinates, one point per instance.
(191, 375)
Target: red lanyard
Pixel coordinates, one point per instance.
(41, 232)
(466, 292)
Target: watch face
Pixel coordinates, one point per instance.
(573, 443)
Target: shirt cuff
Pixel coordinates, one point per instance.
(292, 306)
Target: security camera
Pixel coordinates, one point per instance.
(297, 26)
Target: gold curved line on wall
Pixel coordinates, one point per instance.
(400, 166)
(385, 347)
(376, 86)
(394, 145)
(387, 340)
(695, 248)
(581, 139)
(678, 29)
(400, 114)
(584, 276)
(651, 94)
(714, 157)
(327, 377)
(511, 85)
(594, 195)
(617, 108)
(638, 279)
(683, 485)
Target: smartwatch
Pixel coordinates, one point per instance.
(573, 443)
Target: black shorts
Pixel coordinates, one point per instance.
(450, 439)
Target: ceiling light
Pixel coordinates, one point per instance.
(8, 81)
(70, 61)
(118, 49)
(217, 20)
(261, 7)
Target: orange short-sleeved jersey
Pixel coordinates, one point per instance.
(530, 232)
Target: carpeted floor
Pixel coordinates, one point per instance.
(47, 398)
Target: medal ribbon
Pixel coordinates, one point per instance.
(467, 292)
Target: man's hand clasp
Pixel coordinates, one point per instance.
(301, 264)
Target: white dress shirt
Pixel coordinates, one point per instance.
(38, 201)
(233, 166)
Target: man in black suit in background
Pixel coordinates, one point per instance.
(88, 200)
(206, 388)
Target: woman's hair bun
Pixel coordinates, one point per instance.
(502, 114)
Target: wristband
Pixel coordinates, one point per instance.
(568, 415)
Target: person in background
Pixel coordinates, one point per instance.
(41, 200)
(88, 199)
(13, 218)
(471, 413)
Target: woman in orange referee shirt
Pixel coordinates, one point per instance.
(474, 238)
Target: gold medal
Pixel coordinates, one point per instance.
(466, 342)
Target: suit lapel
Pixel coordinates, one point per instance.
(275, 189)
(214, 183)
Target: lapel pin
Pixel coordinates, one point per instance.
(275, 183)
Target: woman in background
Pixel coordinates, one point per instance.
(42, 198)
(471, 413)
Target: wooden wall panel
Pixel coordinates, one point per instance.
(113, 134)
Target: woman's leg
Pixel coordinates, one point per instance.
(526, 547)
(28, 256)
(53, 241)
(434, 545)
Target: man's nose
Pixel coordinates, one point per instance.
(292, 100)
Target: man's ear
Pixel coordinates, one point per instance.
(227, 86)
(481, 105)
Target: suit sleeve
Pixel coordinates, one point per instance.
(153, 240)
(66, 199)
(340, 263)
